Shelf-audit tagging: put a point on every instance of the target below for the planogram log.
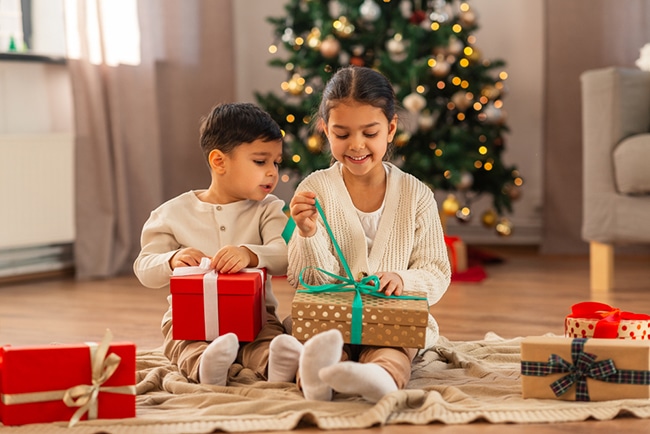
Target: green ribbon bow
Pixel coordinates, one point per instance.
(368, 285)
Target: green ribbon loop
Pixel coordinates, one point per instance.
(368, 285)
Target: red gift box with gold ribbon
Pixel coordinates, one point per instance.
(49, 383)
(599, 320)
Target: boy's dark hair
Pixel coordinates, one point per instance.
(230, 124)
(363, 85)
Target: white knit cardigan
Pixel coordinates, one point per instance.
(409, 240)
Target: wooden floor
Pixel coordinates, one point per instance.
(526, 294)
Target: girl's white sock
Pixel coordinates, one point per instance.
(369, 380)
(319, 352)
(284, 354)
(217, 358)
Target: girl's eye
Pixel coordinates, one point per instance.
(341, 136)
(371, 134)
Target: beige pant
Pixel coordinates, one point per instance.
(396, 361)
(252, 355)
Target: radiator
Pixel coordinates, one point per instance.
(36, 202)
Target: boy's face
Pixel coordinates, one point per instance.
(251, 170)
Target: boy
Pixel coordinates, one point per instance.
(236, 222)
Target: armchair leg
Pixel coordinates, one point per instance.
(601, 264)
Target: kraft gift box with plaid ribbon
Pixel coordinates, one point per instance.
(49, 383)
(206, 304)
(578, 369)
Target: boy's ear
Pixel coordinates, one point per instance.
(217, 160)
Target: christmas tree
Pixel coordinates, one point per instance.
(453, 124)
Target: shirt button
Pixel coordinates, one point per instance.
(218, 207)
(223, 228)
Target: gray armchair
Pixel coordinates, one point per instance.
(616, 165)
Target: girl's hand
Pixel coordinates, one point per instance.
(232, 259)
(390, 283)
(304, 213)
(187, 257)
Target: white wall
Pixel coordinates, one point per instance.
(511, 30)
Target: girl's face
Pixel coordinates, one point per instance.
(359, 135)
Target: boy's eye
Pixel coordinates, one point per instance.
(259, 162)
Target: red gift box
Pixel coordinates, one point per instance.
(205, 306)
(457, 252)
(599, 320)
(41, 384)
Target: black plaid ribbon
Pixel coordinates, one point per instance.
(584, 366)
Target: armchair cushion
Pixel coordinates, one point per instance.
(631, 165)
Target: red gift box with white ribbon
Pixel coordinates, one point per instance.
(591, 319)
(210, 304)
(61, 382)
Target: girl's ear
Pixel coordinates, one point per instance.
(217, 160)
(392, 128)
(322, 125)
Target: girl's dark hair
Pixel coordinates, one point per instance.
(230, 124)
(362, 85)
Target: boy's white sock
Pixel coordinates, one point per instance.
(319, 352)
(217, 358)
(284, 354)
(369, 380)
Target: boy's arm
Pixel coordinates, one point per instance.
(152, 266)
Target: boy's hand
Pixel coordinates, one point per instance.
(390, 283)
(232, 259)
(304, 213)
(187, 257)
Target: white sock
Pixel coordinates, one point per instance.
(319, 352)
(284, 354)
(217, 358)
(369, 380)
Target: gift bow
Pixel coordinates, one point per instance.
(584, 366)
(368, 285)
(609, 318)
(84, 396)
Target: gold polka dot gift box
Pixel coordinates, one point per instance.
(591, 319)
(391, 321)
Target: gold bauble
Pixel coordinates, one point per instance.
(313, 39)
(343, 28)
(330, 47)
(489, 218)
(504, 227)
(296, 85)
(450, 205)
(401, 139)
(490, 92)
(315, 144)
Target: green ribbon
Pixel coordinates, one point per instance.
(369, 285)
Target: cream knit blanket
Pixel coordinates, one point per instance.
(457, 383)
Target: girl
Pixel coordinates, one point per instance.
(386, 223)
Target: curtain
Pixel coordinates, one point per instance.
(143, 74)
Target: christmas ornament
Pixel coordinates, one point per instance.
(466, 181)
(461, 100)
(455, 46)
(313, 38)
(441, 67)
(343, 27)
(513, 192)
(425, 121)
(315, 144)
(401, 139)
(414, 102)
(493, 115)
(468, 17)
(406, 8)
(504, 227)
(334, 8)
(330, 47)
(295, 85)
(489, 218)
(288, 36)
(490, 92)
(450, 205)
(417, 17)
(464, 215)
(439, 13)
(396, 48)
(370, 11)
(357, 61)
